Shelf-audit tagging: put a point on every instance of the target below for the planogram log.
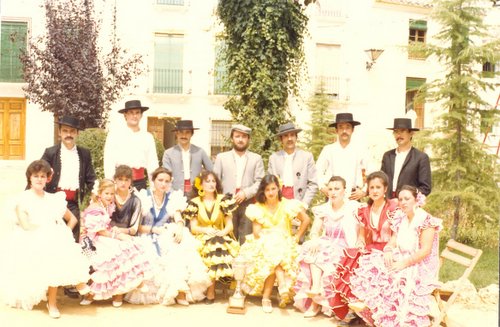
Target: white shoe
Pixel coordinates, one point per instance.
(182, 302)
(117, 304)
(312, 312)
(86, 301)
(144, 288)
(53, 312)
(267, 306)
(84, 290)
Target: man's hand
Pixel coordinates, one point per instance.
(240, 197)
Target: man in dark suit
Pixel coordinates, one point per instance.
(406, 165)
(72, 166)
(73, 173)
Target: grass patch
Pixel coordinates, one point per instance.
(484, 274)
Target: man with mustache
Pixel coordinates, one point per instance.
(73, 173)
(343, 159)
(240, 172)
(185, 160)
(131, 146)
(406, 165)
(295, 167)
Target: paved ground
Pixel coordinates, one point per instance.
(12, 181)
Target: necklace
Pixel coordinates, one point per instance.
(158, 201)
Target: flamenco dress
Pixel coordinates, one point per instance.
(33, 260)
(399, 298)
(119, 266)
(217, 252)
(177, 267)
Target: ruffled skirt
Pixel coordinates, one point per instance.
(218, 253)
(177, 267)
(263, 255)
(394, 298)
(326, 259)
(119, 267)
(31, 261)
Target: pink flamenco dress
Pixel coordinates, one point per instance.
(376, 237)
(118, 266)
(274, 247)
(399, 298)
(47, 255)
(340, 230)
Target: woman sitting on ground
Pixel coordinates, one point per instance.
(335, 228)
(209, 212)
(179, 273)
(394, 286)
(270, 250)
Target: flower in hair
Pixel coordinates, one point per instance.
(420, 199)
(197, 183)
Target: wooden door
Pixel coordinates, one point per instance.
(12, 128)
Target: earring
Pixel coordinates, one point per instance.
(201, 192)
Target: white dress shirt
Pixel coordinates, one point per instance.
(241, 162)
(398, 164)
(348, 163)
(126, 147)
(186, 163)
(70, 169)
(288, 169)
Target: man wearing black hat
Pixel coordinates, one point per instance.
(406, 165)
(73, 172)
(343, 159)
(295, 167)
(185, 160)
(131, 146)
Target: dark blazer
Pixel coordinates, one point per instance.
(416, 171)
(87, 175)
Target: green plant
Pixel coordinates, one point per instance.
(94, 140)
(263, 53)
(464, 176)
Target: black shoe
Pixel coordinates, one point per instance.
(209, 301)
(71, 292)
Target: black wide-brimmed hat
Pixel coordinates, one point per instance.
(344, 117)
(70, 121)
(403, 123)
(182, 125)
(287, 128)
(133, 104)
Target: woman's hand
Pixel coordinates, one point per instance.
(399, 265)
(388, 259)
(314, 248)
(179, 233)
(210, 231)
(221, 233)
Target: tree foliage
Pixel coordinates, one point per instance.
(263, 52)
(319, 134)
(67, 73)
(465, 177)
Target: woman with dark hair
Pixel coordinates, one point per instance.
(335, 228)
(179, 273)
(375, 231)
(127, 215)
(211, 222)
(33, 252)
(394, 286)
(270, 250)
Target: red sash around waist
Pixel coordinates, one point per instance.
(137, 173)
